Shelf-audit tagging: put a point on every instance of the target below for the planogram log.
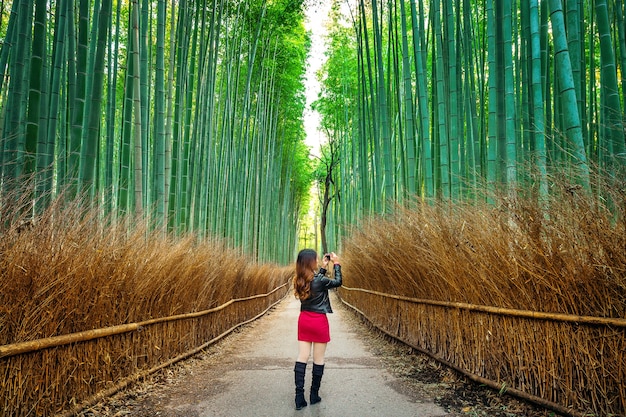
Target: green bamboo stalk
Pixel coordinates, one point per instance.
(160, 116)
(492, 141)
(537, 102)
(67, 164)
(381, 94)
(169, 116)
(611, 111)
(91, 139)
(420, 64)
(14, 119)
(35, 123)
(408, 105)
(621, 33)
(573, 129)
(137, 110)
(112, 163)
(451, 81)
(38, 97)
(472, 93)
(175, 215)
(9, 41)
(125, 186)
(371, 129)
(575, 43)
(442, 105)
(509, 85)
(78, 105)
(146, 98)
(54, 99)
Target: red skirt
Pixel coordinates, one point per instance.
(313, 327)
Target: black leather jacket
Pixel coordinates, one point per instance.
(318, 301)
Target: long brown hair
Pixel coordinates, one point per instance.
(305, 271)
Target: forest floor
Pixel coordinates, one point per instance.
(200, 386)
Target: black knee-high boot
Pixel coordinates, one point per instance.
(318, 371)
(299, 371)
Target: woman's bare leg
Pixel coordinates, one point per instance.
(319, 350)
(304, 351)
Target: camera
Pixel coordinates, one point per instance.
(327, 256)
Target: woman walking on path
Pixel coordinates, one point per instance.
(313, 331)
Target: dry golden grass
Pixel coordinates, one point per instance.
(72, 270)
(510, 255)
(570, 259)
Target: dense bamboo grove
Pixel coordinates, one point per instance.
(507, 256)
(189, 111)
(436, 98)
(74, 272)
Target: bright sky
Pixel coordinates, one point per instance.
(316, 17)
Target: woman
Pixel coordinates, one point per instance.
(311, 288)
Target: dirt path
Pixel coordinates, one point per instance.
(251, 374)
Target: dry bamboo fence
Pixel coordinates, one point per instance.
(575, 365)
(64, 374)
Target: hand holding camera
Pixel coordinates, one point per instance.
(332, 256)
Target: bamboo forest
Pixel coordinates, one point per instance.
(473, 153)
(193, 111)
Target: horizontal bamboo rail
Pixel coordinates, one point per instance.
(132, 378)
(564, 395)
(569, 318)
(476, 378)
(50, 342)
